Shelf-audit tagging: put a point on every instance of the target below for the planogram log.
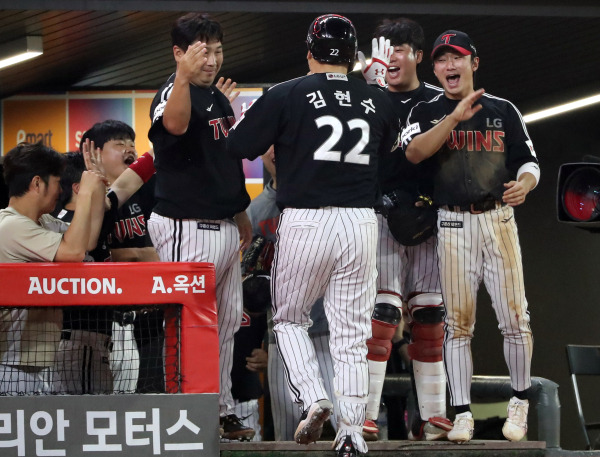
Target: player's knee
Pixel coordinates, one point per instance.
(388, 309)
(427, 328)
(427, 308)
(386, 318)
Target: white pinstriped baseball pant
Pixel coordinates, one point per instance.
(327, 252)
(180, 240)
(472, 247)
(286, 414)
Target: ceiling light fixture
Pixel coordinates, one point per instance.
(562, 108)
(24, 48)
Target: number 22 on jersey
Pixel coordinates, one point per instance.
(327, 150)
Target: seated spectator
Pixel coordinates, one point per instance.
(28, 233)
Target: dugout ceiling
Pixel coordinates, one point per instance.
(536, 53)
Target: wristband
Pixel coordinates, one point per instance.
(144, 167)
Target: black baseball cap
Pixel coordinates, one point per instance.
(459, 41)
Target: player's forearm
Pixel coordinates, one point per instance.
(427, 144)
(528, 180)
(127, 184)
(97, 216)
(76, 239)
(178, 109)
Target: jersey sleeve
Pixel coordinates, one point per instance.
(518, 143)
(158, 135)
(257, 129)
(418, 122)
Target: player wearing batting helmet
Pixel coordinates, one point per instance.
(328, 131)
(485, 166)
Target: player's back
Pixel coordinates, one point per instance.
(332, 130)
(328, 130)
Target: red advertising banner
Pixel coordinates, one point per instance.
(189, 284)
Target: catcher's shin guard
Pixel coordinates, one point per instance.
(386, 317)
(425, 351)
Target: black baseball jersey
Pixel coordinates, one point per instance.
(480, 154)
(245, 384)
(129, 227)
(195, 177)
(395, 171)
(328, 130)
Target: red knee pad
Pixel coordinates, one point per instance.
(427, 341)
(380, 345)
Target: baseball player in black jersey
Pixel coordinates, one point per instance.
(485, 165)
(328, 131)
(200, 190)
(406, 273)
(127, 239)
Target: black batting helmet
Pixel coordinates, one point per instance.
(332, 39)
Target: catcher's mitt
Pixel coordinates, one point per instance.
(410, 224)
(256, 270)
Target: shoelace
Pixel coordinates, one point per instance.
(463, 422)
(517, 413)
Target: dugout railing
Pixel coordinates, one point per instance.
(140, 424)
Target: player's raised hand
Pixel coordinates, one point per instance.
(374, 73)
(190, 63)
(227, 87)
(92, 156)
(466, 109)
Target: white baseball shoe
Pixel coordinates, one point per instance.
(311, 422)
(462, 431)
(515, 426)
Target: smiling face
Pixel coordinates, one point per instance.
(455, 72)
(205, 75)
(402, 72)
(117, 155)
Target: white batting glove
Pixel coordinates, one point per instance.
(374, 73)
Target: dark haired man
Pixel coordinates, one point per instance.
(407, 274)
(200, 190)
(485, 165)
(328, 131)
(29, 234)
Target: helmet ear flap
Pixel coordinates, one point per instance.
(332, 39)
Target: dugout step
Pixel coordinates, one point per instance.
(475, 448)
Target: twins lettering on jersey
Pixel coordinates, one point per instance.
(475, 140)
(220, 125)
(130, 228)
(268, 227)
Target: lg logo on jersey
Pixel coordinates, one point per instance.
(497, 123)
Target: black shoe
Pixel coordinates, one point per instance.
(348, 450)
(233, 429)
